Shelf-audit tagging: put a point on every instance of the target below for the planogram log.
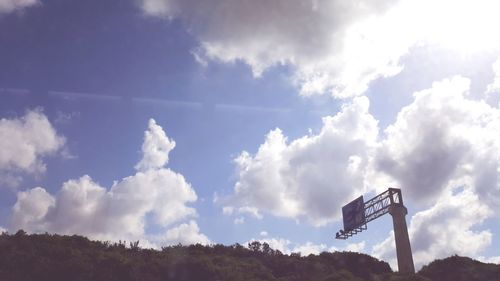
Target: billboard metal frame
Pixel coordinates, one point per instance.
(374, 208)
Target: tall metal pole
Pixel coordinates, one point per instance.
(403, 248)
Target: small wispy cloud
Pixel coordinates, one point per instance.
(7, 6)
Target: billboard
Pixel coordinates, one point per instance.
(354, 214)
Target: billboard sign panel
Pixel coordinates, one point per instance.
(354, 214)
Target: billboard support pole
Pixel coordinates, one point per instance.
(403, 247)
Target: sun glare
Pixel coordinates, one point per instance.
(465, 25)
(471, 26)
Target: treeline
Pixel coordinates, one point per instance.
(56, 257)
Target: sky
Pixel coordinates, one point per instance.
(219, 121)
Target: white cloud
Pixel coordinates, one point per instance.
(386, 250)
(185, 234)
(493, 89)
(226, 210)
(7, 6)
(279, 244)
(287, 247)
(443, 230)
(157, 7)
(359, 247)
(356, 247)
(239, 220)
(495, 84)
(331, 46)
(310, 177)
(155, 148)
(312, 36)
(443, 143)
(24, 142)
(246, 210)
(443, 150)
(263, 233)
(443, 140)
(31, 207)
(495, 259)
(155, 196)
(309, 248)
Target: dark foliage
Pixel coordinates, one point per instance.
(54, 257)
(457, 268)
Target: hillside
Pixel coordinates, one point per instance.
(55, 257)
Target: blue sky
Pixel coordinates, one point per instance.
(280, 114)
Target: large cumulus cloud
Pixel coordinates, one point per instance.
(443, 140)
(319, 39)
(331, 46)
(154, 196)
(310, 177)
(443, 150)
